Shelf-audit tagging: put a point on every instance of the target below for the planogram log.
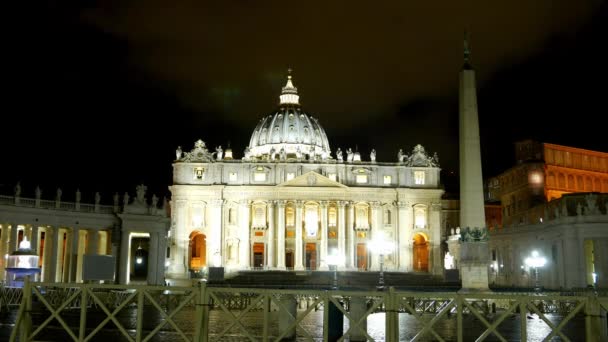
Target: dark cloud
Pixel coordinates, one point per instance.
(101, 93)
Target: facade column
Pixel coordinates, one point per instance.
(375, 232)
(13, 243)
(270, 238)
(341, 235)
(298, 264)
(244, 249)
(153, 265)
(402, 245)
(180, 239)
(214, 249)
(281, 235)
(600, 251)
(324, 233)
(124, 262)
(67, 257)
(350, 222)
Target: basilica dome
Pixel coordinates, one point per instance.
(289, 132)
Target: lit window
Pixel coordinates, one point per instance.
(232, 176)
(259, 176)
(387, 179)
(290, 176)
(333, 177)
(418, 177)
(199, 173)
(361, 179)
(420, 217)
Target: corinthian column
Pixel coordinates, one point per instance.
(375, 231)
(299, 265)
(323, 265)
(341, 236)
(270, 237)
(281, 235)
(350, 221)
(244, 250)
(214, 252)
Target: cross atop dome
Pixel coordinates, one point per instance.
(289, 93)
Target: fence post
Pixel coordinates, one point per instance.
(459, 308)
(204, 322)
(391, 316)
(25, 328)
(83, 312)
(523, 319)
(140, 314)
(595, 320)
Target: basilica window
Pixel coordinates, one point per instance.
(231, 216)
(387, 217)
(361, 179)
(232, 176)
(199, 173)
(331, 213)
(362, 217)
(387, 179)
(259, 176)
(197, 218)
(290, 176)
(311, 220)
(290, 217)
(259, 216)
(419, 177)
(420, 216)
(333, 177)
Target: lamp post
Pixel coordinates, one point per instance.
(535, 261)
(381, 246)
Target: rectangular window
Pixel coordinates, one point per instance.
(361, 179)
(290, 176)
(232, 176)
(419, 177)
(387, 179)
(259, 176)
(333, 177)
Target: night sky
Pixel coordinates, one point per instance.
(99, 94)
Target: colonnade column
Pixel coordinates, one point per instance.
(324, 233)
(92, 242)
(281, 235)
(350, 222)
(34, 239)
(244, 249)
(153, 262)
(298, 264)
(341, 236)
(74, 239)
(270, 238)
(180, 247)
(435, 227)
(3, 248)
(48, 274)
(214, 251)
(123, 267)
(375, 232)
(13, 243)
(58, 252)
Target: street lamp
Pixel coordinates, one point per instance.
(381, 246)
(535, 261)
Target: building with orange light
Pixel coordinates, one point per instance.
(545, 172)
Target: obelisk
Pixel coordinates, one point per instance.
(474, 254)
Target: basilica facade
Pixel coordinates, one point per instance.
(293, 203)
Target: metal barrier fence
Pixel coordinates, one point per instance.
(236, 305)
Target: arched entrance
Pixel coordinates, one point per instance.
(198, 250)
(421, 253)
